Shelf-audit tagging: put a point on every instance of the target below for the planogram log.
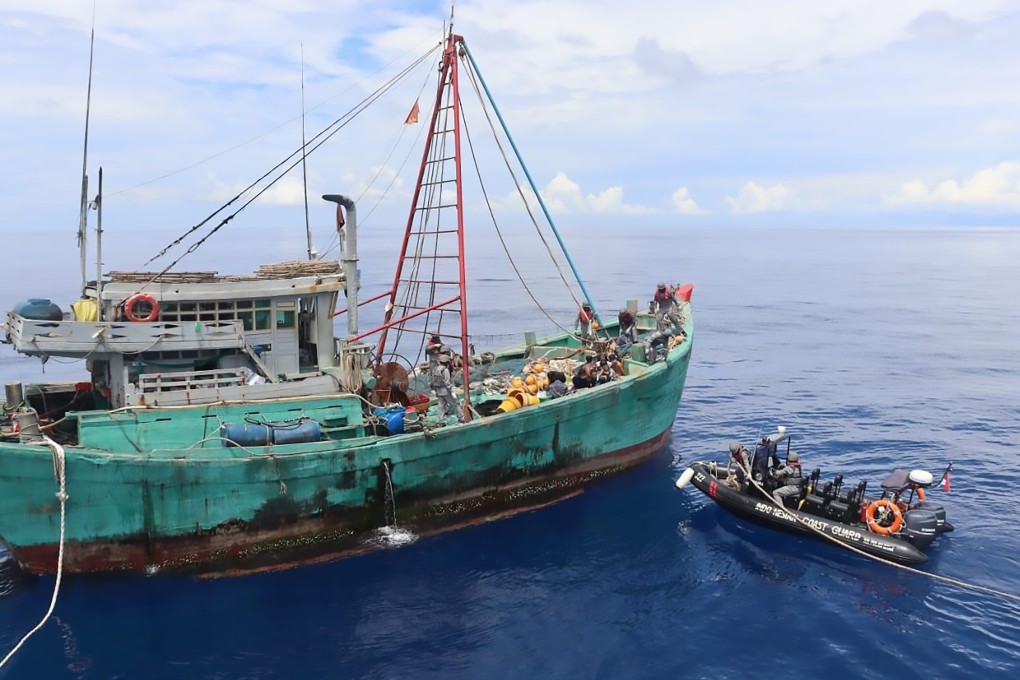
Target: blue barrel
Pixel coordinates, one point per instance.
(308, 431)
(246, 434)
(395, 419)
(39, 309)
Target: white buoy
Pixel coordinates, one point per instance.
(684, 478)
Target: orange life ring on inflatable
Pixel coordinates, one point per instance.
(897, 515)
(141, 298)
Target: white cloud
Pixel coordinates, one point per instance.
(683, 203)
(564, 194)
(288, 191)
(754, 198)
(840, 101)
(997, 186)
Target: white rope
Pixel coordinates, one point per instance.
(58, 472)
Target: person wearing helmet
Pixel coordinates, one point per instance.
(583, 325)
(664, 306)
(442, 385)
(741, 459)
(788, 479)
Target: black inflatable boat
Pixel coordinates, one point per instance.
(898, 525)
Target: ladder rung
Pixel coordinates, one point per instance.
(437, 231)
(437, 309)
(436, 207)
(431, 257)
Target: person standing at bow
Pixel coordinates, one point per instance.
(664, 306)
(585, 318)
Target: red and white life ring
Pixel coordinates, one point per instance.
(133, 314)
(891, 508)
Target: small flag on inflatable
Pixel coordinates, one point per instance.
(412, 117)
(945, 482)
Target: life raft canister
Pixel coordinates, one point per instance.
(891, 507)
(146, 300)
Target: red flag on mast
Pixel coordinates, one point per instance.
(945, 481)
(412, 117)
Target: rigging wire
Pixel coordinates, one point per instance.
(531, 181)
(267, 132)
(334, 241)
(527, 207)
(499, 233)
(517, 183)
(326, 134)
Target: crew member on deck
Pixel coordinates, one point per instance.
(557, 384)
(585, 317)
(664, 306)
(742, 459)
(788, 479)
(433, 348)
(584, 375)
(628, 330)
(442, 384)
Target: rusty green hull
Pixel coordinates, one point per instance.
(146, 492)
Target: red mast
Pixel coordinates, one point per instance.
(424, 285)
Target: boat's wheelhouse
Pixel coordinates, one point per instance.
(207, 338)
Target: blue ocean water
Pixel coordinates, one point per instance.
(875, 348)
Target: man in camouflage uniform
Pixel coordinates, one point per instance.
(442, 385)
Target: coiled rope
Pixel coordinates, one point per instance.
(937, 577)
(58, 473)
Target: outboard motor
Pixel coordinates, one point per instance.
(936, 509)
(920, 528)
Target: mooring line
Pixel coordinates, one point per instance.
(59, 467)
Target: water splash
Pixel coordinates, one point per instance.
(391, 535)
(390, 503)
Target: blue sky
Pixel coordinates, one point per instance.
(737, 112)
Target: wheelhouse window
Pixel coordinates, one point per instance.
(254, 315)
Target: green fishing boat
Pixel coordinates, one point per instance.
(222, 424)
